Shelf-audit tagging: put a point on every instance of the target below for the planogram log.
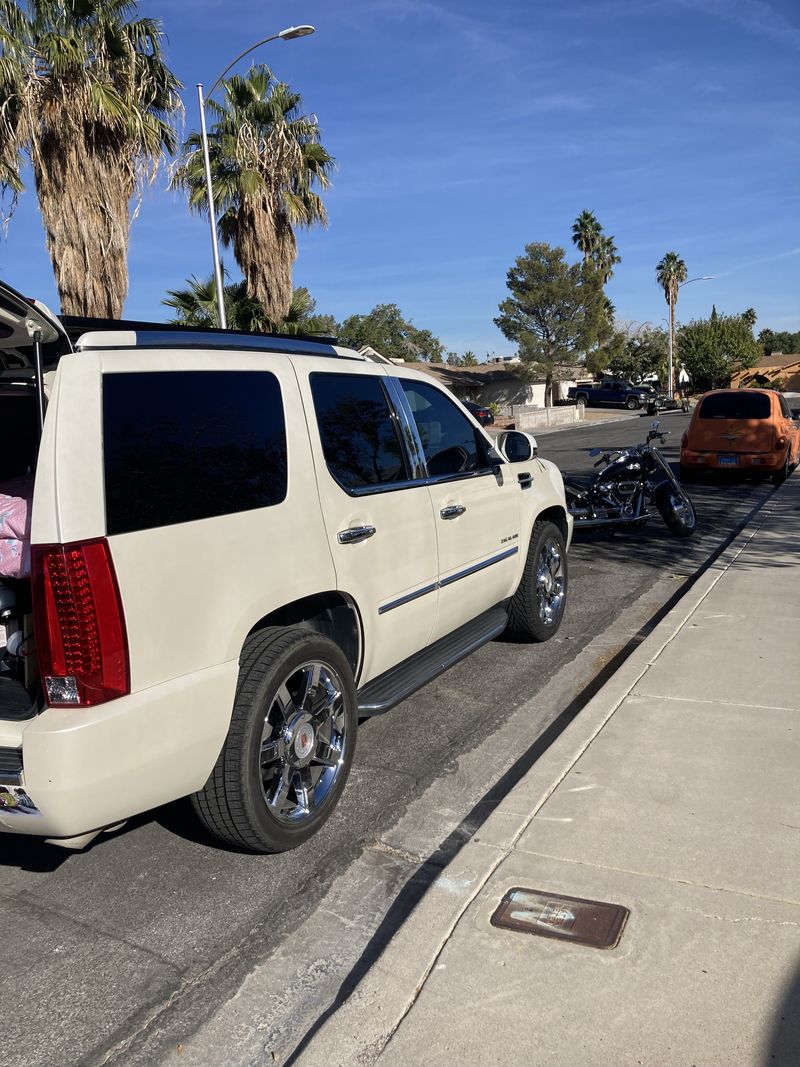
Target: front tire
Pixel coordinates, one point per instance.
(632, 403)
(676, 509)
(537, 607)
(290, 743)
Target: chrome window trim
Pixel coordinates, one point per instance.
(410, 434)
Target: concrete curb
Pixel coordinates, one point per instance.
(363, 1024)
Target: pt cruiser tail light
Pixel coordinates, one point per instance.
(79, 625)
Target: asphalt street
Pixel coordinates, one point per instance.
(123, 952)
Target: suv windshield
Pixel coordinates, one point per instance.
(736, 406)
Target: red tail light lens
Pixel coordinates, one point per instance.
(780, 443)
(79, 625)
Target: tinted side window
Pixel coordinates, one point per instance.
(786, 411)
(452, 445)
(186, 445)
(358, 430)
(740, 405)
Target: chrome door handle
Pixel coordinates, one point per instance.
(354, 534)
(453, 511)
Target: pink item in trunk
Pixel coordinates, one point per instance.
(15, 527)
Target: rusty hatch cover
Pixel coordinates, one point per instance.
(583, 922)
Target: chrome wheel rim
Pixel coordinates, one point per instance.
(682, 508)
(303, 742)
(550, 582)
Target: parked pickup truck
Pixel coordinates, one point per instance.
(612, 392)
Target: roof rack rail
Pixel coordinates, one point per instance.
(76, 325)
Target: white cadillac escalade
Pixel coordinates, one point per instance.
(240, 545)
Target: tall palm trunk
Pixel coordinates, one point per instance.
(84, 198)
(262, 235)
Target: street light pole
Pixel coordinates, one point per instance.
(672, 298)
(222, 319)
(288, 34)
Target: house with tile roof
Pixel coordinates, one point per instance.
(776, 371)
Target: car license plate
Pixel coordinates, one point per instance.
(728, 461)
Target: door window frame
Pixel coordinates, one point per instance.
(437, 479)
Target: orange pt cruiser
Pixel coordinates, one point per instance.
(748, 430)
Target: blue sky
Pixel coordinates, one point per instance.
(464, 130)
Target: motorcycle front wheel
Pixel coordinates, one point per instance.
(676, 509)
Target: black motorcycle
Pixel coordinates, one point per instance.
(631, 481)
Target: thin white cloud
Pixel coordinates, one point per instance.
(757, 262)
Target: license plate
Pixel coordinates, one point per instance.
(728, 461)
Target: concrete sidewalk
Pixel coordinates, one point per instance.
(675, 793)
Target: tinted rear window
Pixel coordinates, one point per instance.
(736, 406)
(187, 445)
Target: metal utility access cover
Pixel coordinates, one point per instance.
(583, 922)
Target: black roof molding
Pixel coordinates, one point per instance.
(75, 325)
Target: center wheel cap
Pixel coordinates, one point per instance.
(300, 741)
(304, 742)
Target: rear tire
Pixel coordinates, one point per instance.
(632, 403)
(779, 477)
(677, 510)
(581, 398)
(537, 607)
(290, 743)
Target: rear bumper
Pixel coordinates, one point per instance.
(768, 462)
(85, 769)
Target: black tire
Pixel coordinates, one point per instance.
(779, 477)
(581, 398)
(292, 735)
(688, 474)
(676, 509)
(537, 607)
(631, 403)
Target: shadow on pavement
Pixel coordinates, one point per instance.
(784, 1047)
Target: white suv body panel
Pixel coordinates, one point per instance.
(191, 592)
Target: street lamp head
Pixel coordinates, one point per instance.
(291, 32)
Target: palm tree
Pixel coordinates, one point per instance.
(587, 234)
(670, 275)
(86, 97)
(196, 305)
(266, 160)
(605, 257)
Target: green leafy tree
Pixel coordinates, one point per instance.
(554, 312)
(643, 352)
(267, 164)
(87, 98)
(385, 330)
(779, 341)
(196, 305)
(714, 349)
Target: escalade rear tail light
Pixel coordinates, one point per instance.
(780, 443)
(79, 625)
